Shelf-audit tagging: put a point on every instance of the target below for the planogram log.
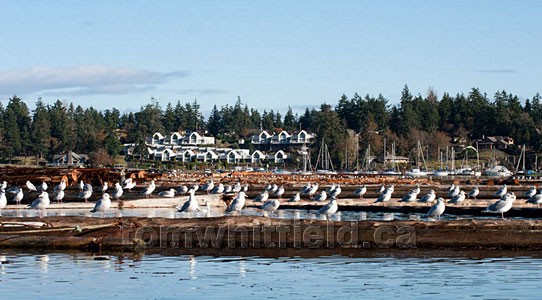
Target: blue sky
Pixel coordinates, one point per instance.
(273, 54)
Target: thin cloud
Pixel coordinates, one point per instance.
(501, 71)
(90, 79)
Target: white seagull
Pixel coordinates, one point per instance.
(535, 199)
(262, 197)
(330, 208)
(30, 186)
(149, 189)
(237, 203)
(385, 196)
(429, 197)
(271, 206)
(359, 192)
(190, 205)
(183, 189)
(437, 209)
(167, 194)
(102, 205)
(117, 193)
(321, 197)
(61, 186)
(279, 192)
(59, 195)
(3, 200)
(502, 205)
(19, 195)
(41, 203)
(458, 199)
(295, 197)
(129, 184)
(43, 186)
(474, 192)
(410, 196)
(531, 192)
(105, 186)
(81, 186)
(208, 187)
(502, 191)
(336, 191)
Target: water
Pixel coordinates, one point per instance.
(81, 276)
(171, 213)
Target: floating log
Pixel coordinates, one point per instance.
(243, 233)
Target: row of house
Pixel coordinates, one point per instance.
(178, 139)
(210, 154)
(283, 137)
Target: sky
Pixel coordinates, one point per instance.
(272, 54)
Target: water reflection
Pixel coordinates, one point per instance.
(431, 275)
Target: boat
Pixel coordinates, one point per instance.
(324, 159)
(418, 172)
(499, 172)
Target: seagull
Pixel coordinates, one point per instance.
(437, 209)
(190, 205)
(306, 189)
(295, 198)
(451, 188)
(454, 192)
(502, 205)
(360, 191)
(102, 205)
(336, 191)
(245, 188)
(61, 186)
(88, 187)
(330, 208)
(85, 194)
(41, 203)
(238, 203)
(502, 191)
(19, 195)
(271, 206)
(321, 197)
(228, 189)
(416, 189)
(429, 197)
(117, 193)
(59, 195)
(262, 197)
(129, 184)
(313, 190)
(531, 192)
(4, 185)
(82, 185)
(330, 188)
(195, 187)
(279, 192)
(167, 194)
(30, 186)
(182, 189)
(149, 189)
(381, 189)
(385, 196)
(43, 187)
(535, 199)
(237, 187)
(274, 188)
(105, 187)
(410, 196)
(219, 189)
(474, 192)
(458, 199)
(208, 187)
(3, 199)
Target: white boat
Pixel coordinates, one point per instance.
(441, 173)
(416, 172)
(498, 171)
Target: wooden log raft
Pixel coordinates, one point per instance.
(240, 234)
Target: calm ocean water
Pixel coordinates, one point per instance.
(425, 276)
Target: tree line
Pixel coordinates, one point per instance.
(348, 127)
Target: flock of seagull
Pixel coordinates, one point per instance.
(270, 197)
